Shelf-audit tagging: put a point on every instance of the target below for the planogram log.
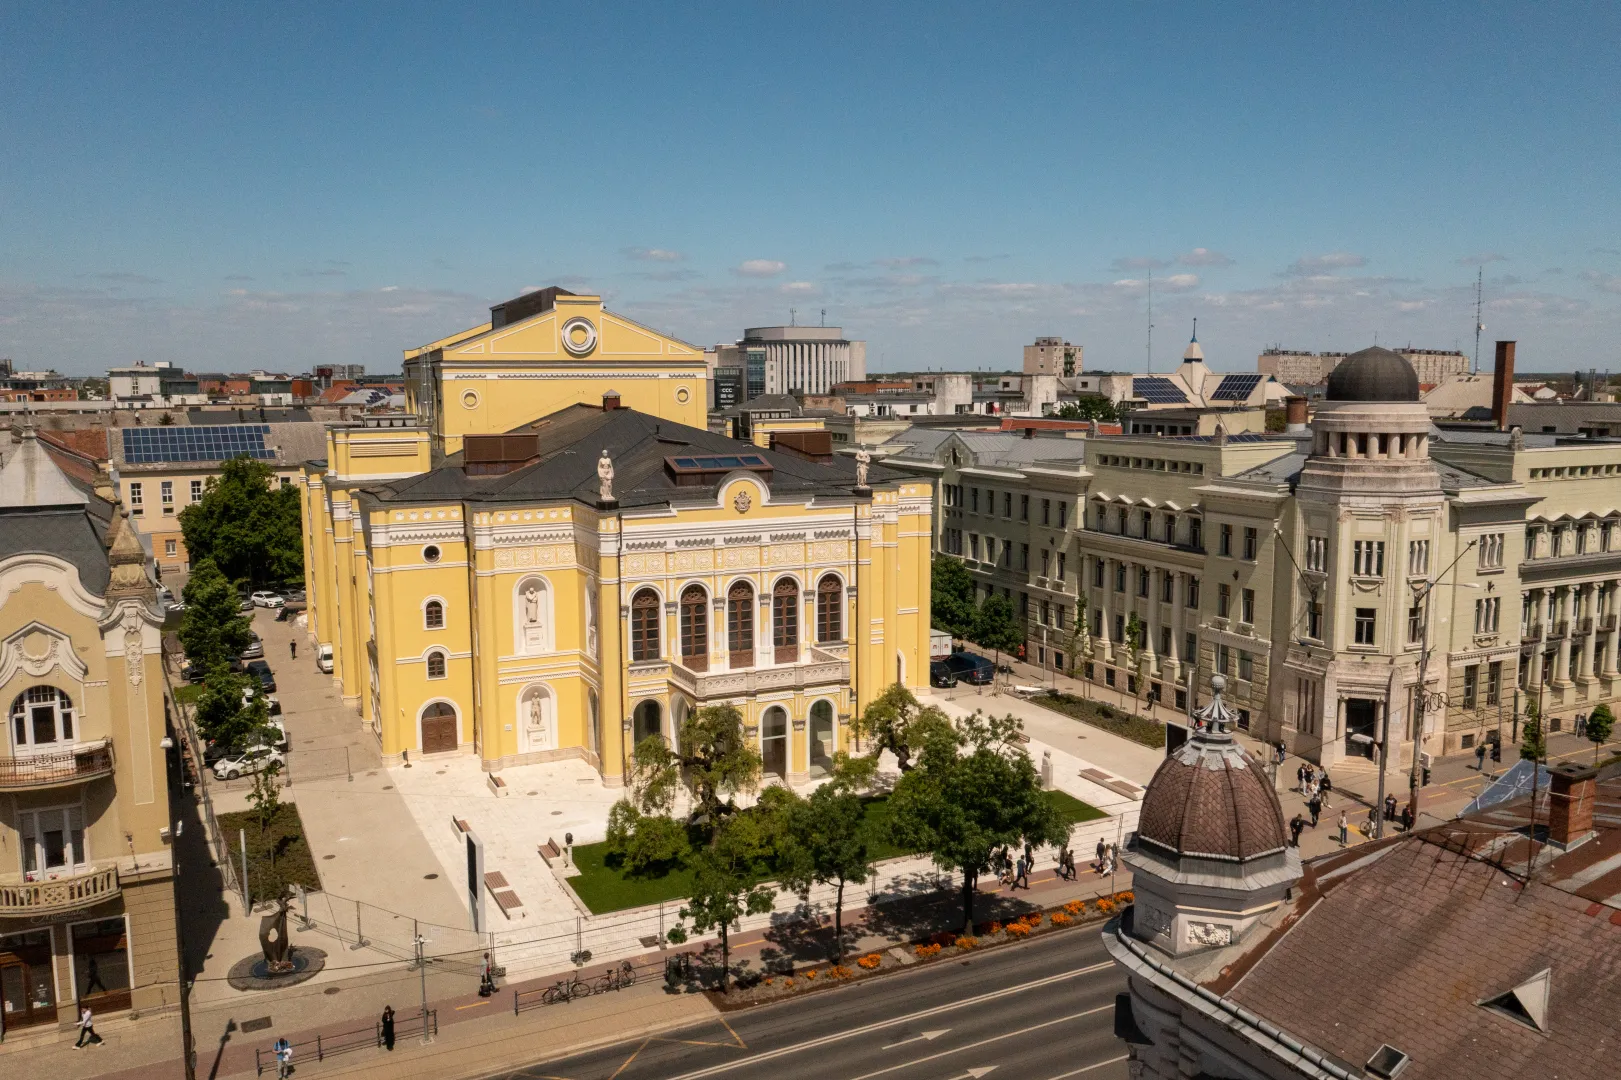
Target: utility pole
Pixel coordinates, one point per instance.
(1420, 693)
(1151, 322)
(1480, 278)
(422, 968)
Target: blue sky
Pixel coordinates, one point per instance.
(230, 186)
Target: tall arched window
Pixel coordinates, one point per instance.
(644, 625)
(829, 609)
(785, 620)
(695, 628)
(433, 615)
(740, 624)
(41, 716)
(436, 665)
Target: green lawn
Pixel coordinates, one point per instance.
(603, 887)
(187, 694)
(279, 853)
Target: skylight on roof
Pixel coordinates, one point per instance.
(1527, 1003)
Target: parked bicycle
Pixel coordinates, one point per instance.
(618, 979)
(565, 990)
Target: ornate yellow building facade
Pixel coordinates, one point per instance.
(553, 558)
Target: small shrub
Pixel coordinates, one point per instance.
(1032, 920)
(839, 971)
(1018, 930)
(1062, 918)
(1106, 906)
(923, 952)
(766, 981)
(809, 975)
(1124, 897)
(788, 980)
(1075, 907)
(870, 961)
(966, 942)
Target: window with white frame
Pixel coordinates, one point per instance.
(433, 615)
(436, 665)
(1368, 558)
(41, 716)
(166, 493)
(170, 549)
(137, 504)
(1471, 680)
(196, 491)
(1418, 557)
(52, 841)
(1247, 609)
(1489, 552)
(1317, 553)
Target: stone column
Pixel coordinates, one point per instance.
(1105, 649)
(1613, 637)
(1561, 666)
(1587, 608)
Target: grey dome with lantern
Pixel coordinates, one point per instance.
(1374, 374)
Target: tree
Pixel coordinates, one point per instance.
(1136, 657)
(997, 628)
(896, 722)
(1089, 407)
(1600, 723)
(647, 843)
(1533, 743)
(725, 882)
(971, 794)
(212, 630)
(712, 756)
(827, 840)
(248, 524)
(226, 715)
(265, 798)
(951, 596)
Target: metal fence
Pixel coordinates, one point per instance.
(324, 1046)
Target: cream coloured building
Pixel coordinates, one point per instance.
(553, 558)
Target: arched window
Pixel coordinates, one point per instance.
(829, 609)
(821, 739)
(785, 620)
(433, 615)
(41, 716)
(740, 624)
(646, 721)
(644, 625)
(695, 628)
(436, 665)
(774, 742)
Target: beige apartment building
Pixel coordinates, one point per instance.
(1432, 366)
(1053, 356)
(87, 904)
(1311, 567)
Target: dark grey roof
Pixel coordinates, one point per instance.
(76, 534)
(1373, 375)
(571, 441)
(1285, 469)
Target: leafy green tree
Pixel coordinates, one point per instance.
(1533, 742)
(223, 716)
(827, 840)
(1136, 656)
(1600, 724)
(971, 794)
(265, 798)
(647, 843)
(895, 721)
(951, 596)
(997, 628)
(725, 881)
(1089, 407)
(713, 757)
(248, 524)
(212, 630)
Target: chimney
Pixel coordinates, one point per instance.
(1572, 791)
(1502, 384)
(1030, 431)
(1295, 414)
(610, 401)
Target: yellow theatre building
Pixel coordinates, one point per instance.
(552, 557)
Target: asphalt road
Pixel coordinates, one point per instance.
(1043, 1010)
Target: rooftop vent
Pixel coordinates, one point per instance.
(492, 455)
(1387, 1062)
(1527, 1003)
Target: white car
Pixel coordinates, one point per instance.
(323, 659)
(267, 599)
(249, 761)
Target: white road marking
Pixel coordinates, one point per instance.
(986, 1042)
(811, 1044)
(1089, 1068)
(926, 1036)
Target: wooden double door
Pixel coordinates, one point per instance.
(440, 730)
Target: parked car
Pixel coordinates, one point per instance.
(971, 668)
(295, 594)
(255, 649)
(249, 761)
(245, 604)
(267, 599)
(940, 675)
(260, 670)
(193, 672)
(323, 659)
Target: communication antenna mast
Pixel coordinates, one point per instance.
(824, 316)
(1151, 322)
(793, 316)
(1480, 278)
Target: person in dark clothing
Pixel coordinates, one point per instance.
(486, 979)
(1316, 808)
(1407, 818)
(1296, 825)
(1390, 808)
(1480, 757)
(388, 1027)
(1022, 880)
(1029, 855)
(1103, 849)
(292, 649)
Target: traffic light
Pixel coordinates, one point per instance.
(1426, 777)
(1497, 751)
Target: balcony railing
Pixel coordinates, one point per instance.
(1607, 622)
(1561, 628)
(1585, 624)
(1532, 633)
(61, 894)
(821, 670)
(86, 761)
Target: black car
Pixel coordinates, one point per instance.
(970, 668)
(940, 675)
(260, 670)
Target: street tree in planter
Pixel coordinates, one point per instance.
(827, 840)
(222, 715)
(997, 627)
(1600, 724)
(212, 630)
(248, 524)
(1533, 743)
(974, 790)
(725, 881)
(951, 597)
(896, 722)
(1135, 656)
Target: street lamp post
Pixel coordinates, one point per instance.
(1421, 691)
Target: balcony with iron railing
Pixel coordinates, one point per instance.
(64, 892)
(57, 768)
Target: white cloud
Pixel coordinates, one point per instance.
(643, 254)
(1308, 265)
(1173, 283)
(760, 268)
(906, 262)
(798, 288)
(1203, 257)
(1607, 282)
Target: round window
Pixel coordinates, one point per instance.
(470, 399)
(579, 336)
(682, 395)
(431, 553)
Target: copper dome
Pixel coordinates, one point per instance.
(1373, 375)
(1211, 799)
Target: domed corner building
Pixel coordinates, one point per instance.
(1211, 855)
(1373, 375)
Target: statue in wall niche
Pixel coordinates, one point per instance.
(863, 463)
(605, 477)
(531, 606)
(536, 717)
(591, 620)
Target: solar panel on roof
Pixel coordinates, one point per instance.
(144, 446)
(1158, 390)
(1237, 387)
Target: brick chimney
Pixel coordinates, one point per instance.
(610, 401)
(1573, 789)
(1502, 384)
(1295, 414)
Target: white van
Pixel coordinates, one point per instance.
(323, 659)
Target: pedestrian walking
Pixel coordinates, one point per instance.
(1407, 818)
(1280, 751)
(1581, 724)
(284, 1059)
(1029, 855)
(87, 1029)
(1103, 849)
(1345, 830)
(1022, 880)
(1069, 864)
(388, 1027)
(1296, 825)
(1480, 757)
(292, 650)
(486, 979)
(1316, 808)
(1300, 777)
(1390, 808)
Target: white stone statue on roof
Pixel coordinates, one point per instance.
(605, 477)
(863, 463)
